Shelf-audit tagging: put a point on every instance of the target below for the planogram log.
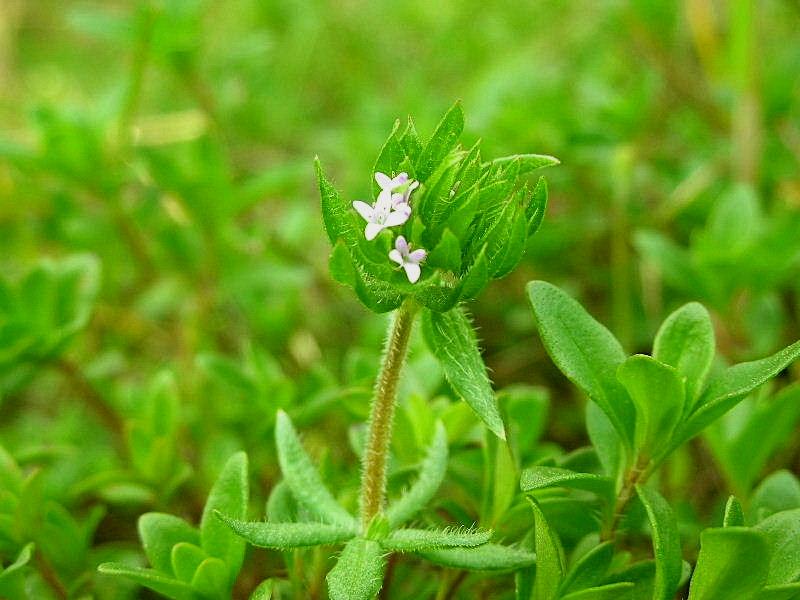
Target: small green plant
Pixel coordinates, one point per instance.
(642, 408)
(476, 217)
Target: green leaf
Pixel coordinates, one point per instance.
(476, 277)
(453, 342)
(726, 389)
(733, 563)
(228, 495)
(336, 214)
(302, 477)
(535, 211)
(782, 532)
(505, 244)
(585, 351)
(447, 253)
(666, 543)
(786, 591)
(389, 159)
(264, 590)
(154, 580)
(527, 162)
(550, 564)
(431, 474)
(443, 140)
(487, 557)
(358, 574)
(376, 294)
(541, 477)
(657, 394)
(612, 591)
(590, 569)
(415, 540)
(686, 341)
(185, 560)
(734, 516)
(778, 492)
(212, 578)
(288, 535)
(159, 532)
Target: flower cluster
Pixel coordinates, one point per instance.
(393, 208)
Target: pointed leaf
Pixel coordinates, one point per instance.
(185, 560)
(726, 390)
(151, 579)
(389, 159)
(734, 516)
(453, 342)
(159, 532)
(288, 535)
(550, 564)
(666, 543)
(686, 341)
(539, 478)
(443, 140)
(431, 474)
(415, 540)
(302, 477)
(585, 351)
(537, 207)
(447, 253)
(229, 495)
(590, 569)
(657, 394)
(487, 557)
(527, 162)
(358, 574)
(336, 214)
(733, 563)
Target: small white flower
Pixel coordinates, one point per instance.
(392, 185)
(408, 259)
(382, 214)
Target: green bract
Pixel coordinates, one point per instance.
(473, 216)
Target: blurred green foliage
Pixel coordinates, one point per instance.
(163, 265)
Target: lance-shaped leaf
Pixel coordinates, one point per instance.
(336, 213)
(541, 477)
(734, 515)
(416, 540)
(288, 535)
(666, 543)
(447, 253)
(151, 579)
(658, 395)
(431, 474)
(537, 206)
(358, 574)
(612, 591)
(726, 389)
(505, 244)
(443, 140)
(487, 557)
(733, 563)
(229, 495)
(685, 341)
(585, 351)
(302, 478)
(159, 532)
(527, 162)
(389, 159)
(453, 342)
(550, 564)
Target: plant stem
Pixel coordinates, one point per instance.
(373, 477)
(638, 473)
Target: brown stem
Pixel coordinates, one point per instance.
(50, 576)
(638, 473)
(373, 478)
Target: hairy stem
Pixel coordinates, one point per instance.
(638, 473)
(373, 478)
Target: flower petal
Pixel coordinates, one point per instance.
(364, 209)
(398, 199)
(396, 256)
(372, 230)
(417, 256)
(401, 245)
(396, 217)
(413, 271)
(400, 179)
(384, 181)
(384, 200)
